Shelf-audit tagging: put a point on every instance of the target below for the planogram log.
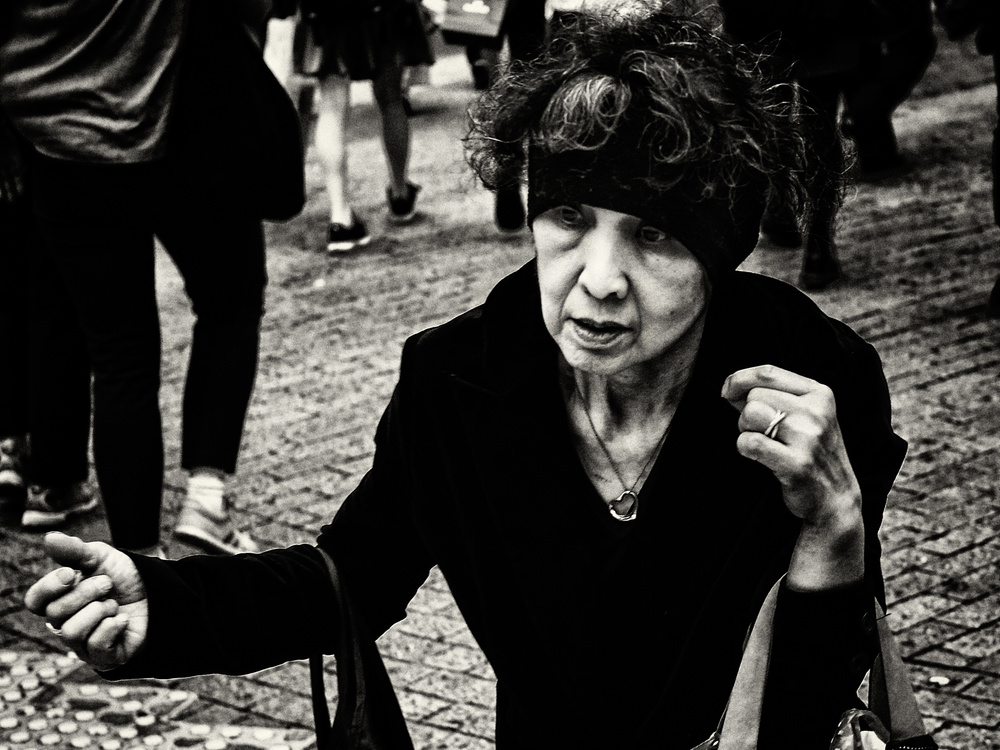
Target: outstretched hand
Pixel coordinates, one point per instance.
(96, 602)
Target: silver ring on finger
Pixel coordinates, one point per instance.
(772, 429)
(53, 629)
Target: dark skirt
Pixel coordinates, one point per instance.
(360, 45)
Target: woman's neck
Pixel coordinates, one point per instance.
(648, 393)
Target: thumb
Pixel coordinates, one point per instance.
(73, 552)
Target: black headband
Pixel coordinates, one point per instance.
(720, 229)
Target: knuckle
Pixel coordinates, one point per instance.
(802, 465)
(826, 398)
(767, 373)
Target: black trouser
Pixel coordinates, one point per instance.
(45, 375)
(524, 28)
(820, 98)
(886, 76)
(100, 221)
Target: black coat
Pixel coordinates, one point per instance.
(601, 634)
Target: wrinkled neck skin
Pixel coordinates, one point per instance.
(641, 398)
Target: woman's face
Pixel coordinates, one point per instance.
(618, 293)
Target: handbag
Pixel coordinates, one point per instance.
(368, 716)
(474, 22)
(234, 136)
(892, 720)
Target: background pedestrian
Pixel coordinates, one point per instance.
(962, 18)
(45, 372)
(362, 42)
(106, 179)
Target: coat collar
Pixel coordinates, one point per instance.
(517, 347)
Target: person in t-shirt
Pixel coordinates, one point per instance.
(90, 86)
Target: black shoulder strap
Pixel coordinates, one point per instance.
(368, 716)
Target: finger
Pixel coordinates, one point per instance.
(772, 454)
(740, 383)
(74, 552)
(77, 629)
(777, 400)
(50, 587)
(104, 641)
(756, 416)
(79, 597)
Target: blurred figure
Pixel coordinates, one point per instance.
(820, 48)
(894, 56)
(481, 61)
(524, 31)
(45, 377)
(362, 42)
(105, 179)
(13, 328)
(961, 18)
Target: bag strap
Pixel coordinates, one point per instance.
(741, 721)
(890, 692)
(368, 716)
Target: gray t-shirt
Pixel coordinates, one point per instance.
(91, 80)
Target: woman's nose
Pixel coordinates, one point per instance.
(603, 274)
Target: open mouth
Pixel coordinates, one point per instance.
(597, 331)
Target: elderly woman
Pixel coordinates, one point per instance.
(612, 460)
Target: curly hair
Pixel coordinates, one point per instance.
(710, 111)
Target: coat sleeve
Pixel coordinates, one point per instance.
(824, 642)
(233, 615)
(375, 537)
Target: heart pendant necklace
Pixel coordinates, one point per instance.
(625, 507)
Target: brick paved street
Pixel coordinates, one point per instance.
(920, 254)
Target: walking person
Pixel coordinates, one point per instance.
(364, 42)
(110, 173)
(45, 377)
(894, 54)
(818, 47)
(962, 18)
(523, 28)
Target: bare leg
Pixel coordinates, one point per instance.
(331, 143)
(388, 91)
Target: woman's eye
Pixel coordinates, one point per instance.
(568, 216)
(652, 235)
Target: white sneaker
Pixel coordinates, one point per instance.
(12, 455)
(215, 534)
(49, 507)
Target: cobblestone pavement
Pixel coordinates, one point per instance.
(920, 254)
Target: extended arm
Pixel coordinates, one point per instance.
(132, 616)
